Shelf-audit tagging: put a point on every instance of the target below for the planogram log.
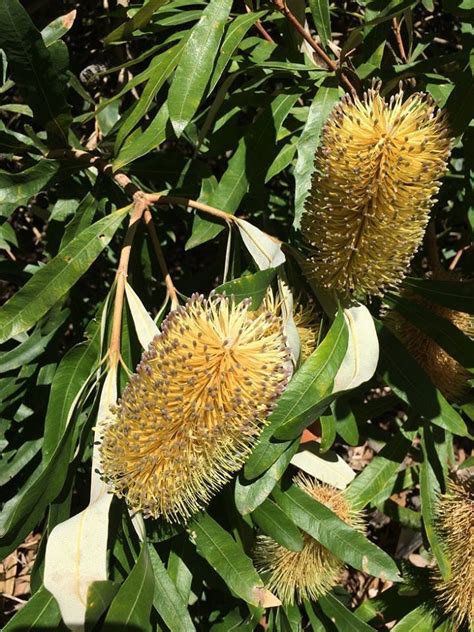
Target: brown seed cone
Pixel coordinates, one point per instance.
(191, 414)
(313, 571)
(376, 172)
(446, 373)
(456, 528)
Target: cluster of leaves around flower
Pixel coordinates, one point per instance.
(215, 104)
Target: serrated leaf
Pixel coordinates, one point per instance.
(145, 326)
(252, 286)
(39, 72)
(131, 607)
(227, 558)
(328, 467)
(54, 280)
(319, 111)
(412, 385)
(345, 542)
(76, 551)
(197, 61)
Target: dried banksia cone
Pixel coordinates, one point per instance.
(192, 412)
(446, 373)
(456, 528)
(376, 172)
(313, 571)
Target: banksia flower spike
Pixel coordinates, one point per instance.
(446, 373)
(192, 412)
(313, 571)
(456, 528)
(376, 172)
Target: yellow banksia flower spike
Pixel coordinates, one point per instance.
(376, 172)
(191, 414)
(456, 528)
(446, 373)
(310, 573)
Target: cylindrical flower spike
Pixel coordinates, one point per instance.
(376, 172)
(446, 373)
(313, 571)
(456, 528)
(191, 414)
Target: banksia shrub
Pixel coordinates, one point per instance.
(310, 573)
(446, 373)
(456, 528)
(195, 407)
(376, 172)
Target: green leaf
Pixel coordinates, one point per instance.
(161, 68)
(13, 462)
(167, 600)
(17, 188)
(196, 64)
(235, 32)
(41, 612)
(248, 166)
(82, 218)
(57, 277)
(138, 21)
(322, 19)
(56, 29)
(444, 332)
(319, 111)
(99, 597)
(39, 72)
(344, 619)
(252, 286)
(373, 478)
(345, 542)
(418, 620)
(248, 496)
(458, 295)
(274, 522)
(131, 606)
(408, 380)
(305, 397)
(227, 558)
(142, 142)
(432, 484)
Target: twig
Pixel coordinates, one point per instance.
(283, 8)
(432, 252)
(457, 256)
(398, 37)
(259, 26)
(156, 198)
(170, 288)
(139, 206)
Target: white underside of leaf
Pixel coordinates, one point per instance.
(362, 355)
(76, 552)
(265, 251)
(289, 326)
(329, 467)
(144, 324)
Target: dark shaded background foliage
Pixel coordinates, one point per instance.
(444, 68)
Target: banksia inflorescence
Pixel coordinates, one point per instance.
(456, 529)
(376, 172)
(313, 571)
(192, 412)
(446, 373)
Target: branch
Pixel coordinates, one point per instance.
(398, 37)
(156, 198)
(293, 20)
(170, 288)
(259, 26)
(432, 252)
